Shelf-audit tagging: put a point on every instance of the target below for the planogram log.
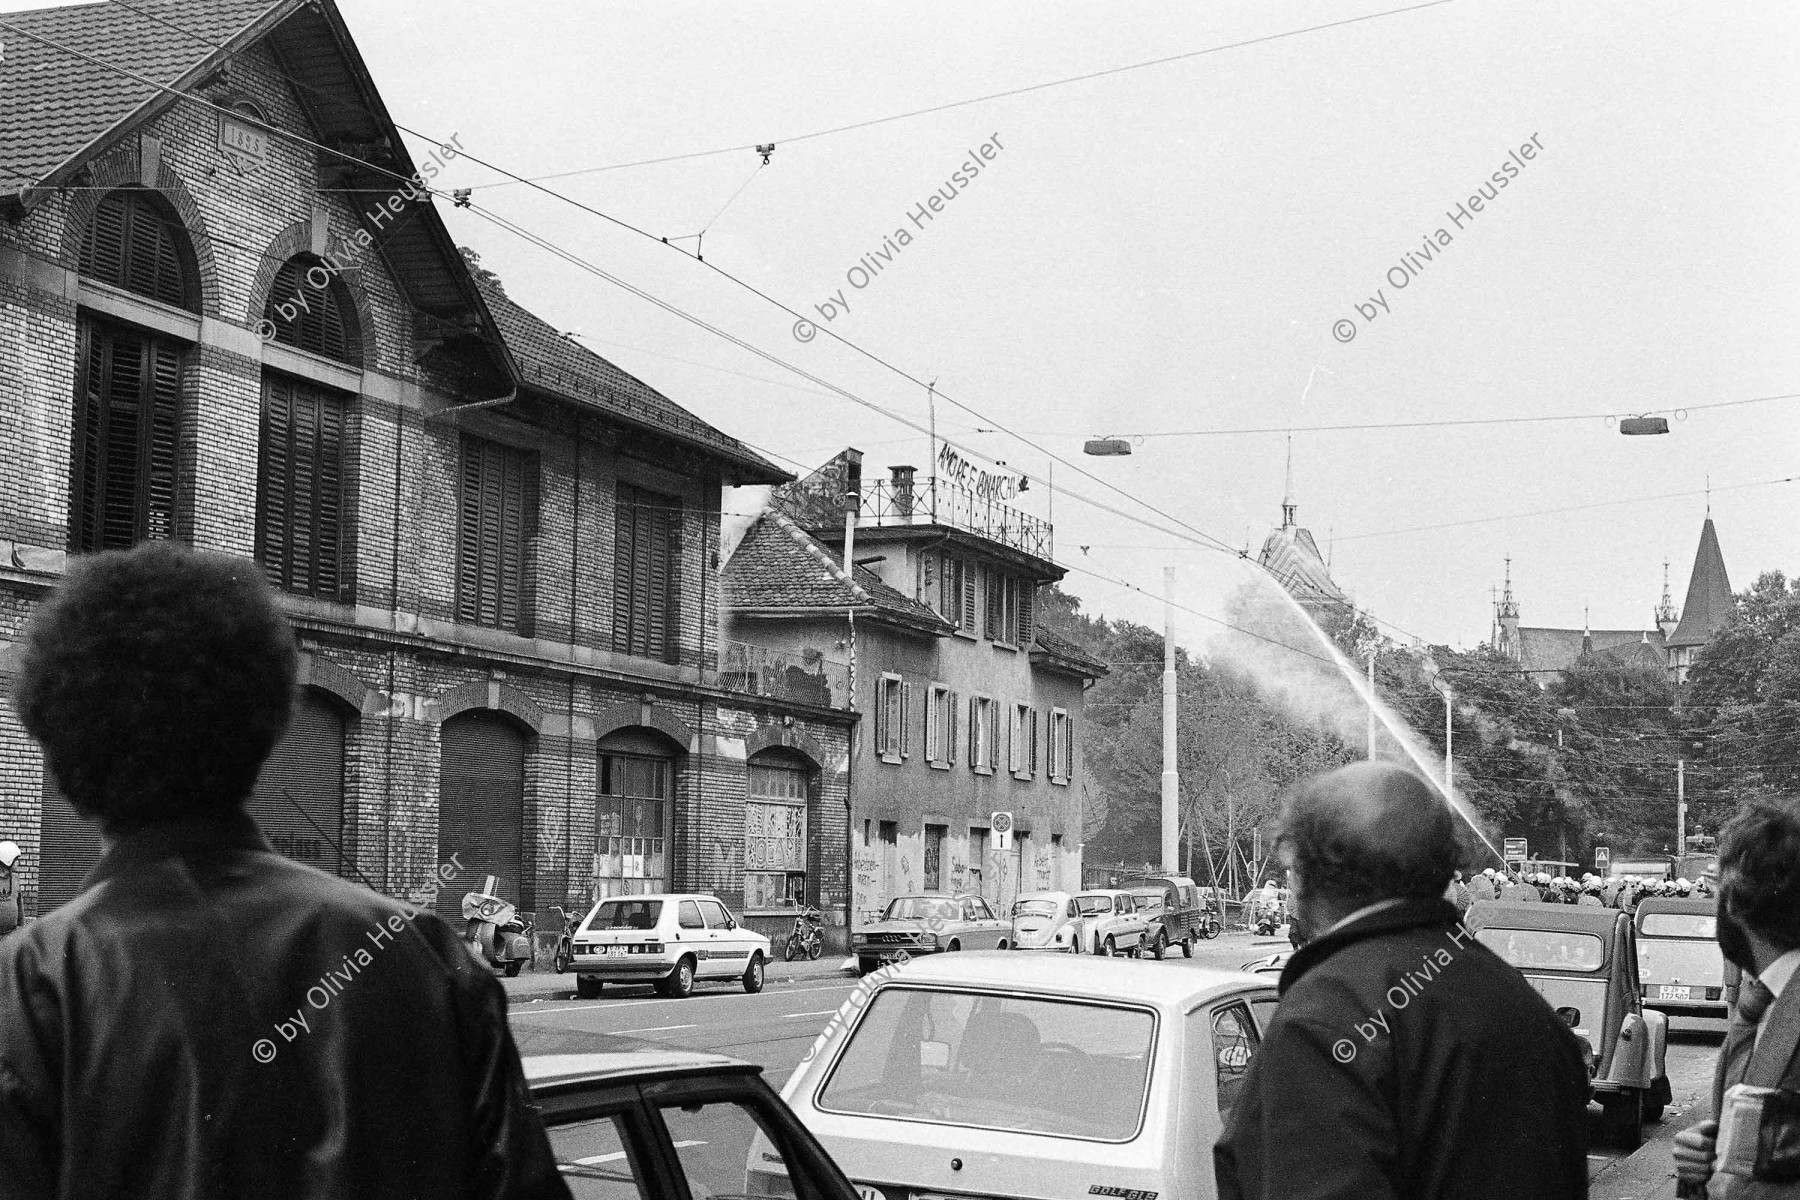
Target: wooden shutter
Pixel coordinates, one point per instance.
(906, 690)
(1069, 748)
(132, 243)
(1032, 766)
(300, 488)
(646, 584)
(498, 517)
(994, 736)
(310, 317)
(952, 716)
(298, 801)
(966, 621)
(990, 580)
(1027, 611)
(127, 433)
(481, 810)
(974, 738)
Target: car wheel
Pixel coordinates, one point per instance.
(514, 967)
(589, 989)
(865, 965)
(1003, 945)
(680, 983)
(953, 947)
(1187, 946)
(753, 975)
(1109, 950)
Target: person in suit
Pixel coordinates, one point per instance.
(1759, 931)
(1406, 1059)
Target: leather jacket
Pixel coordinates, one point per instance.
(210, 1019)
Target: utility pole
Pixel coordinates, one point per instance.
(1681, 808)
(1371, 704)
(1171, 779)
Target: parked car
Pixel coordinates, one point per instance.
(1032, 1076)
(1149, 904)
(675, 1125)
(1681, 968)
(1186, 914)
(1269, 964)
(1046, 921)
(669, 941)
(927, 923)
(1110, 921)
(1583, 962)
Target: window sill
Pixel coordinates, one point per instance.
(965, 635)
(891, 759)
(1009, 647)
(983, 770)
(1058, 781)
(937, 765)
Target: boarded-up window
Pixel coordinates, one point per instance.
(775, 834)
(481, 811)
(646, 569)
(310, 308)
(300, 516)
(299, 797)
(127, 430)
(136, 242)
(498, 517)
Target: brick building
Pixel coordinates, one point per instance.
(970, 709)
(225, 318)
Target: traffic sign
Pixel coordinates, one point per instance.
(1602, 858)
(1515, 848)
(1001, 823)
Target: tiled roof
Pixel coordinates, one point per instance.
(780, 567)
(52, 104)
(1640, 653)
(550, 362)
(1543, 649)
(1291, 555)
(1062, 649)
(1709, 599)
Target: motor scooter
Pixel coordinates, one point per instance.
(1268, 917)
(563, 956)
(495, 933)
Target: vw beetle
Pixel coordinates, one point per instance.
(1583, 961)
(1046, 921)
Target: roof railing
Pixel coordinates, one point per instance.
(886, 502)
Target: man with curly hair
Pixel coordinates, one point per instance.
(1406, 1059)
(210, 1019)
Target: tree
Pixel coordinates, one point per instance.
(1742, 704)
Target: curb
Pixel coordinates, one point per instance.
(542, 985)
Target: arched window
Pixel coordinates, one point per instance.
(136, 241)
(299, 798)
(481, 810)
(309, 308)
(775, 828)
(633, 812)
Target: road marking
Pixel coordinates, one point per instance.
(616, 1155)
(652, 1029)
(519, 1011)
(823, 1012)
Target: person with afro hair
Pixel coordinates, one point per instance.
(208, 1018)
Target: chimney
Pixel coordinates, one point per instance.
(903, 492)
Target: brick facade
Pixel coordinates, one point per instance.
(393, 657)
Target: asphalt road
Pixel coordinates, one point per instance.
(776, 1027)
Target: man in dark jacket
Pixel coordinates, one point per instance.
(209, 1019)
(1405, 1059)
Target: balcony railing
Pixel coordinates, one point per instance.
(940, 502)
(804, 677)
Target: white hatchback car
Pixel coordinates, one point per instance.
(668, 940)
(1025, 1076)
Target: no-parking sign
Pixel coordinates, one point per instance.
(1001, 823)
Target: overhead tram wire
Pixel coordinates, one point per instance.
(973, 100)
(1199, 535)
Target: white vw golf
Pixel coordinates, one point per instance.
(666, 940)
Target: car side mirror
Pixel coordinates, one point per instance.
(1570, 1015)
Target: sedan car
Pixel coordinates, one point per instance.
(1583, 962)
(669, 941)
(1111, 923)
(1034, 1076)
(1046, 921)
(925, 924)
(675, 1125)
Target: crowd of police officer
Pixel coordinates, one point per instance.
(1512, 886)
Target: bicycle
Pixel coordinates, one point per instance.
(808, 937)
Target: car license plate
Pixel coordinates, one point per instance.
(1665, 992)
(617, 951)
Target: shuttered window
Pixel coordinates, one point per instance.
(300, 515)
(136, 242)
(298, 801)
(309, 308)
(126, 438)
(481, 811)
(498, 518)
(68, 848)
(646, 569)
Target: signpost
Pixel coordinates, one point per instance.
(1602, 859)
(1001, 826)
(1515, 853)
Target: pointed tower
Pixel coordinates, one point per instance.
(1292, 556)
(1587, 632)
(1506, 616)
(1709, 604)
(1666, 617)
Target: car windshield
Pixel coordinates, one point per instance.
(625, 914)
(1037, 908)
(921, 908)
(1550, 949)
(1681, 925)
(1152, 903)
(1012, 1063)
(1093, 904)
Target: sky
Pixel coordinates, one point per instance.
(1185, 247)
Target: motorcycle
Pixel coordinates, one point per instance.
(808, 937)
(1209, 925)
(495, 932)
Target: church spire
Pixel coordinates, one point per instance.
(1667, 619)
(1288, 519)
